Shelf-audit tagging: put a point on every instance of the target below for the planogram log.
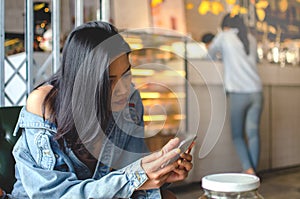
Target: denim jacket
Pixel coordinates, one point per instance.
(43, 170)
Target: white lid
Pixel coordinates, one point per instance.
(230, 182)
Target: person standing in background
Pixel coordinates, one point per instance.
(207, 38)
(243, 86)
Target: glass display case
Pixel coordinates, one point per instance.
(159, 73)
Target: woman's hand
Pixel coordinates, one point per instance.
(153, 165)
(181, 171)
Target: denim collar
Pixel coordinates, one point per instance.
(30, 120)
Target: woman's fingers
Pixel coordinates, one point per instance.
(173, 143)
(152, 157)
(168, 147)
(184, 164)
(160, 162)
(188, 157)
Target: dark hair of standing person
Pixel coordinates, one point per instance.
(237, 22)
(207, 37)
(85, 58)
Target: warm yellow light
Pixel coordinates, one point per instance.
(283, 5)
(230, 2)
(176, 95)
(189, 6)
(11, 42)
(261, 14)
(141, 72)
(179, 117)
(38, 6)
(43, 25)
(216, 7)
(204, 7)
(262, 4)
(136, 46)
(134, 43)
(166, 48)
(133, 40)
(243, 10)
(154, 118)
(39, 38)
(174, 73)
(156, 2)
(235, 10)
(46, 9)
(150, 95)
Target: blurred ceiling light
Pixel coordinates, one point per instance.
(283, 5)
(243, 10)
(189, 6)
(204, 7)
(150, 95)
(261, 14)
(142, 72)
(262, 4)
(217, 7)
(230, 2)
(155, 3)
(235, 10)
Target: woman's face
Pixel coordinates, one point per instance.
(120, 79)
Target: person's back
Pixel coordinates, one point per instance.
(240, 71)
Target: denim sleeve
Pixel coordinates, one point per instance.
(42, 181)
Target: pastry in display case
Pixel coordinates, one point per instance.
(159, 74)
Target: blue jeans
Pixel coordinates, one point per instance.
(245, 111)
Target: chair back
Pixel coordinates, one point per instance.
(8, 120)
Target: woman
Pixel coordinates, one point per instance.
(82, 129)
(243, 86)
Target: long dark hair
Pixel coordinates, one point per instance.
(79, 102)
(237, 22)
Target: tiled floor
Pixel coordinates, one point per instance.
(279, 184)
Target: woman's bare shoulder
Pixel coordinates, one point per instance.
(36, 98)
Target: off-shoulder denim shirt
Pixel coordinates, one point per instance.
(45, 171)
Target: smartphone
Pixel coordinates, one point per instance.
(185, 146)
